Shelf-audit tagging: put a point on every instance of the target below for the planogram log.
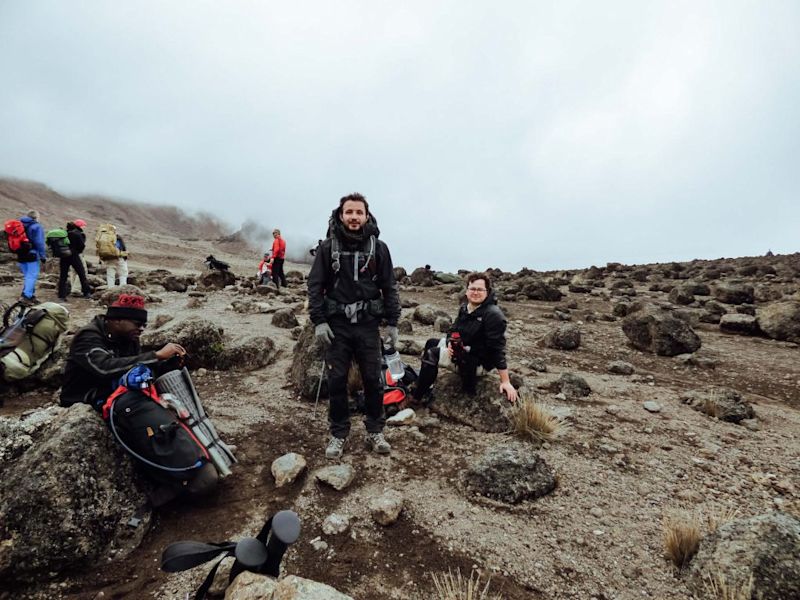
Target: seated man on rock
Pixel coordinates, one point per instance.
(100, 354)
(475, 344)
(107, 348)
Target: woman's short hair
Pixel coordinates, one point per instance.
(485, 276)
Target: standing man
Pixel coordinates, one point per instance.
(278, 255)
(29, 255)
(351, 287)
(74, 279)
(77, 244)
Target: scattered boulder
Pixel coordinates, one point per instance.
(422, 276)
(485, 411)
(539, 290)
(337, 476)
(425, 314)
(110, 295)
(442, 324)
(68, 491)
(660, 332)
(724, 404)
(765, 548)
(564, 337)
(386, 508)
(405, 326)
(680, 295)
(251, 586)
(202, 339)
(399, 274)
(510, 474)
(247, 306)
(174, 283)
(217, 280)
(781, 321)
(285, 318)
(734, 293)
(620, 367)
(571, 385)
(286, 468)
(446, 277)
(246, 354)
(741, 324)
(307, 365)
(162, 320)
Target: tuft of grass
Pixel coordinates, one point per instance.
(717, 587)
(719, 517)
(682, 534)
(453, 586)
(535, 421)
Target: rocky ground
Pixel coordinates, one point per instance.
(631, 451)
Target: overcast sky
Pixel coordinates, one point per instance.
(504, 134)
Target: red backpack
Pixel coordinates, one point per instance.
(17, 236)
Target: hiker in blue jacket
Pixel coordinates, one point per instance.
(28, 261)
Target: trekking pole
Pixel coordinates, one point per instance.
(319, 386)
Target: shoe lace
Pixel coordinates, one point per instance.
(336, 443)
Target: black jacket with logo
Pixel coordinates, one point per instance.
(77, 239)
(353, 282)
(484, 331)
(96, 362)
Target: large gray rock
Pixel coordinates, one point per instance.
(202, 339)
(660, 332)
(307, 365)
(67, 494)
(765, 547)
(539, 290)
(734, 293)
(486, 411)
(572, 386)
(741, 324)
(781, 321)
(425, 314)
(723, 403)
(564, 337)
(110, 295)
(510, 474)
(422, 276)
(285, 318)
(251, 586)
(217, 279)
(246, 354)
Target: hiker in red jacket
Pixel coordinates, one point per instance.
(265, 269)
(278, 254)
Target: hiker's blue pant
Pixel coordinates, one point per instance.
(30, 273)
(359, 341)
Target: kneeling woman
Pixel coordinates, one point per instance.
(475, 344)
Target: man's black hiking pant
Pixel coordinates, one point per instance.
(64, 264)
(277, 272)
(359, 341)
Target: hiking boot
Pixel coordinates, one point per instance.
(378, 443)
(335, 448)
(27, 301)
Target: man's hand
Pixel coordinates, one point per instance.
(324, 334)
(170, 350)
(508, 389)
(393, 333)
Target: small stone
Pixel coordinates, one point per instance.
(613, 409)
(386, 508)
(751, 424)
(652, 406)
(336, 476)
(404, 417)
(319, 544)
(286, 468)
(335, 524)
(596, 511)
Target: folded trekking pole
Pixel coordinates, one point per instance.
(261, 554)
(319, 386)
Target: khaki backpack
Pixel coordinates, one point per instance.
(106, 242)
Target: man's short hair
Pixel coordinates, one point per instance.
(356, 197)
(276, 230)
(34, 214)
(485, 276)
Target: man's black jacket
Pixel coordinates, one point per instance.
(484, 331)
(77, 239)
(345, 288)
(96, 362)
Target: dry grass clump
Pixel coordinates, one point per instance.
(719, 517)
(682, 534)
(717, 588)
(535, 421)
(453, 586)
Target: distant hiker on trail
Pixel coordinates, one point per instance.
(265, 269)
(80, 226)
(77, 243)
(26, 239)
(112, 253)
(105, 349)
(475, 345)
(351, 287)
(278, 256)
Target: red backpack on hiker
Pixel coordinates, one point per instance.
(18, 241)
